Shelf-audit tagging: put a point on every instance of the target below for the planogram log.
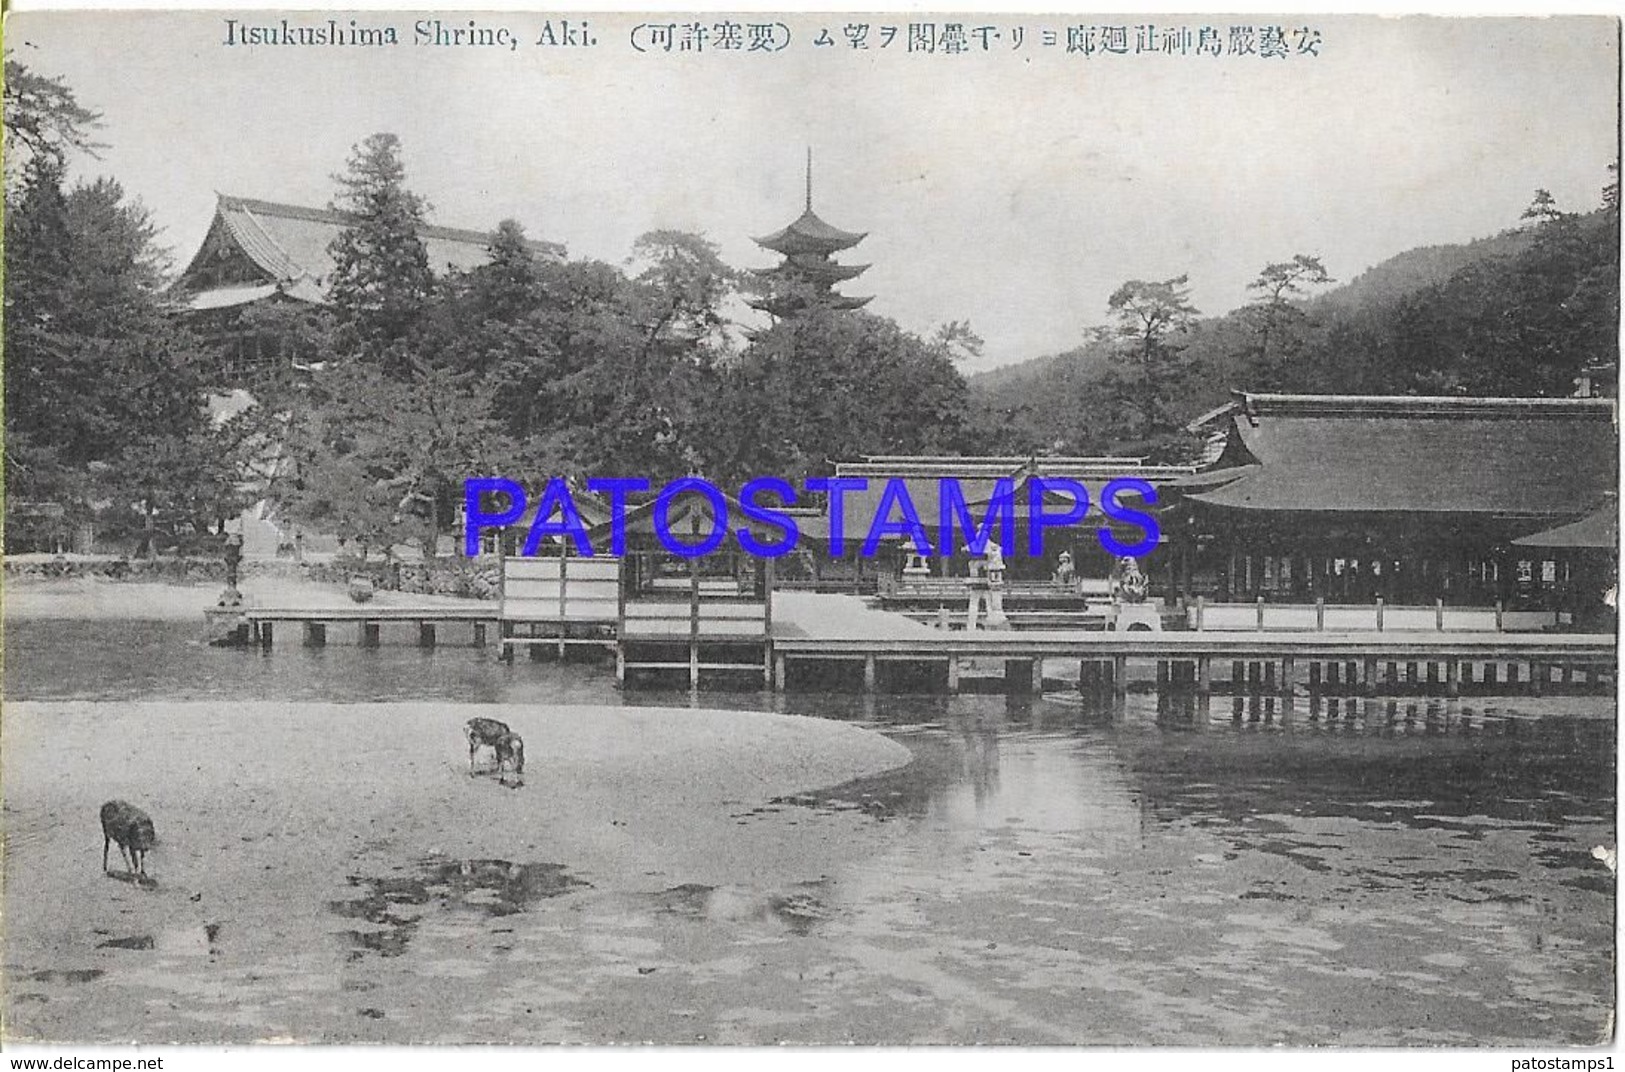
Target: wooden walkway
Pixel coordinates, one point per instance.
(799, 634)
(1341, 658)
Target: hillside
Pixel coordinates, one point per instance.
(1517, 313)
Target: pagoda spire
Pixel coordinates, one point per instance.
(808, 274)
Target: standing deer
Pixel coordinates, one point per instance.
(510, 749)
(132, 829)
(484, 731)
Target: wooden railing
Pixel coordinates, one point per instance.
(561, 590)
(1321, 616)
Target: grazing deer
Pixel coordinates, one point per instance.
(484, 731)
(132, 829)
(510, 749)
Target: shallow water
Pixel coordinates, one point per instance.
(1389, 872)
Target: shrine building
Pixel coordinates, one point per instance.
(1408, 499)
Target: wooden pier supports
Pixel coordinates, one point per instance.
(315, 634)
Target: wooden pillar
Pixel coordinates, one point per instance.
(1438, 614)
(1163, 667)
(370, 633)
(1490, 674)
(1370, 674)
(869, 673)
(1334, 675)
(1320, 613)
(1538, 673)
(694, 622)
(1119, 675)
(1433, 673)
(505, 633)
(620, 663)
(1391, 676)
(1500, 617)
(1314, 675)
(1269, 675)
(1410, 673)
(1452, 671)
(953, 675)
(1512, 673)
(1260, 614)
(564, 595)
(1201, 607)
(781, 671)
(425, 634)
(479, 634)
(1568, 674)
(266, 636)
(1288, 674)
(1238, 676)
(623, 577)
(1379, 614)
(315, 634)
(1204, 669)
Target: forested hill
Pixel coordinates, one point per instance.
(1519, 313)
(1415, 269)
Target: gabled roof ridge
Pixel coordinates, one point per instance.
(1253, 404)
(335, 216)
(1474, 405)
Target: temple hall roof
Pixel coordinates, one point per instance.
(256, 249)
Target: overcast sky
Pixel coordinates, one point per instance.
(1015, 188)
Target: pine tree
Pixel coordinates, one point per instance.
(381, 279)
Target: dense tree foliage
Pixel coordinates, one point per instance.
(104, 407)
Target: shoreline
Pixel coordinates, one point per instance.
(275, 820)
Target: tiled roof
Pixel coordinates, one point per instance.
(1486, 456)
(1598, 530)
(809, 234)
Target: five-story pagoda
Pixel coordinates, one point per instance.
(807, 274)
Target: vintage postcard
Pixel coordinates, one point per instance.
(810, 528)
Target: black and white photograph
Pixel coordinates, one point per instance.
(810, 529)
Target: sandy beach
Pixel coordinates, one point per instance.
(269, 814)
